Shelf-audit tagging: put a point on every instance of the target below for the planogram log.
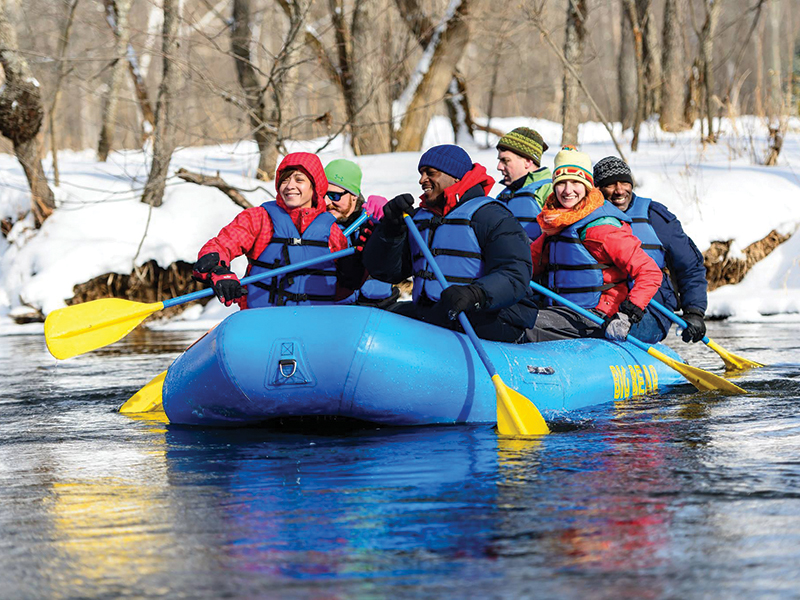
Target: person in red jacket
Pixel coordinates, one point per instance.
(294, 227)
(589, 256)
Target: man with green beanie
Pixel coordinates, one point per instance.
(519, 156)
(346, 203)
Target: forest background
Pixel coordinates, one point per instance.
(158, 75)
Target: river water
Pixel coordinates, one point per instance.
(686, 496)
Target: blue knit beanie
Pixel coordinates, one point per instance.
(447, 158)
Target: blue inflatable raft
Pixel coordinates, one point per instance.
(373, 365)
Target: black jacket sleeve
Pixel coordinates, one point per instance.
(684, 260)
(387, 258)
(506, 255)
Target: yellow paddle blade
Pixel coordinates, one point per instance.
(516, 415)
(146, 399)
(702, 380)
(732, 361)
(83, 327)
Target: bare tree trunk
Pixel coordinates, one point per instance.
(758, 92)
(61, 73)
(21, 113)
(423, 94)
(457, 101)
(651, 51)
(574, 41)
(638, 44)
(674, 62)
(712, 8)
(372, 129)
(137, 77)
(117, 13)
(164, 133)
(267, 120)
(626, 69)
(774, 107)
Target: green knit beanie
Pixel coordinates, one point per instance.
(344, 173)
(524, 141)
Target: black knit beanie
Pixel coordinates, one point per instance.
(611, 169)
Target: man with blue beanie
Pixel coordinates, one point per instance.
(478, 244)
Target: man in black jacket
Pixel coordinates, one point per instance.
(665, 241)
(478, 244)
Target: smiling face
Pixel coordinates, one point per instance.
(569, 192)
(619, 193)
(344, 206)
(434, 182)
(512, 166)
(296, 189)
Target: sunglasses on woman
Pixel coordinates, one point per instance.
(336, 196)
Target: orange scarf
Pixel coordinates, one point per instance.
(555, 217)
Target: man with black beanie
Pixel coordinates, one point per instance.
(665, 241)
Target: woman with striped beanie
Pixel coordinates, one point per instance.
(588, 254)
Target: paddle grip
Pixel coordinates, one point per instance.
(674, 318)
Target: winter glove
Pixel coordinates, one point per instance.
(695, 325)
(226, 286)
(363, 235)
(462, 298)
(634, 312)
(618, 327)
(202, 268)
(393, 214)
(374, 206)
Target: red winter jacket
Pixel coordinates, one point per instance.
(251, 230)
(617, 246)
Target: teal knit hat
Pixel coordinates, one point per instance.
(346, 174)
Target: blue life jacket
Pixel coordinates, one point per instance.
(639, 212)
(522, 203)
(453, 243)
(315, 285)
(372, 292)
(572, 271)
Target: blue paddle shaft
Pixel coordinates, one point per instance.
(276, 272)
(583, 312)
(462, 318)
(673, 317)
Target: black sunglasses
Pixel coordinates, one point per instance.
(336, 196)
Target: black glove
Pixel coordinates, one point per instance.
(392, 220)
(201, 270)
(462, 298)
(634, 312)
(363, 235)
(227, 287)
(695, 325)
(617, 327)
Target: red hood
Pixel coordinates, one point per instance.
(454, 193)
(311, 165)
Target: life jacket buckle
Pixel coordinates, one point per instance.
(295, 241)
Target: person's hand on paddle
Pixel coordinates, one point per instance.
(619, 326)
(374, 206)
(363, 235)
(227, 287)
(393, 212)
(696, 326)
(462, 298)
(201, 270)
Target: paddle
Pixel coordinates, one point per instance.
(732, 361)
(702, 380)
(149, 398)
(516, 415)
(80, 328)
